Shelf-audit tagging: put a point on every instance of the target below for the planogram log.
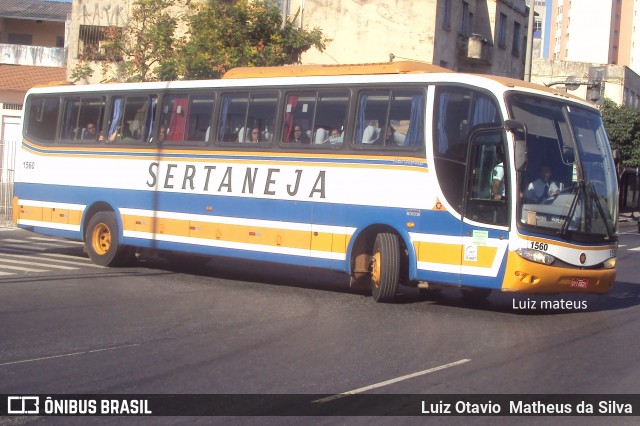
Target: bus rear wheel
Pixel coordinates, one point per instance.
(385, 267)
(102, 241)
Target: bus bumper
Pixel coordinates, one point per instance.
(524, 276)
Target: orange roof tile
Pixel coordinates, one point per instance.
(20, 78)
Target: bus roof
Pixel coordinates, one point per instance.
(400, 67)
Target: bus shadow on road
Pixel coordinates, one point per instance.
(622, 295)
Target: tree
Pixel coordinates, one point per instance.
(623, 128)
(224, 35)
(144, 47)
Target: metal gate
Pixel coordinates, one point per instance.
(7, 169)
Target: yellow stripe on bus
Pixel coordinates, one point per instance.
(452, 254)
(295, 239)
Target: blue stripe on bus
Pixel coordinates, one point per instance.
(320, 213)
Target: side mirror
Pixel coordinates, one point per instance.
(616, 156)
(519, 131)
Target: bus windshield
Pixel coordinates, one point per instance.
(569, 186)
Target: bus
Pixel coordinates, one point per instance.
(400, 173)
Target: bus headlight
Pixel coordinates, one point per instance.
(536, 256)
(609, 263)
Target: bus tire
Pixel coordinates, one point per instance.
(385, 267)
(102, 240)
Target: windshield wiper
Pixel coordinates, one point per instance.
(572, 209)
(596, 198)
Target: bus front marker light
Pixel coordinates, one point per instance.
(536, 256)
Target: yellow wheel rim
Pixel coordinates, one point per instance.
(101, 239)
(375, 269)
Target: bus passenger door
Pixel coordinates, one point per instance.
(485, 233)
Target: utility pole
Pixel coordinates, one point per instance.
(529, 53)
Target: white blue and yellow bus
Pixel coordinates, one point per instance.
(397, 173)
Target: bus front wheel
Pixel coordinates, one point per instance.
(102, 240)
(385, 267)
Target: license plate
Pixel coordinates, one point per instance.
(580, 282)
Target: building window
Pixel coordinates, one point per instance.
(447, 14)
(502, 31)
(515, 46)
(25, 39)
(465, 25)
(94, 42)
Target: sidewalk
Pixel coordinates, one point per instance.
(7, 223)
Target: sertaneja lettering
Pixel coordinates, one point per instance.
(244, 180)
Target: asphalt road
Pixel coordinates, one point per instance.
(244, 328)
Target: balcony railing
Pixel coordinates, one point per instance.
(18, 54)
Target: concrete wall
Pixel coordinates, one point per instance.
(619, 79)
(16, 54)
(368, 31)
(98, 13)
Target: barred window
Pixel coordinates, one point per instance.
(95, 42)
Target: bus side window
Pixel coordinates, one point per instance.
(82, 119)
(174, 118)
(331, 116)
(390, 119)
(199, 120)
(42, 117)
(131, 119)
(241, 113)
(299, 113)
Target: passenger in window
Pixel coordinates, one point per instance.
(335, 137)
(298, 135)
(389, 136)
(115, 135)
(371, 135)
(91, 133)
(541, 188)
(255, 135)
(162, 134)
(121, 134)
(497, 182)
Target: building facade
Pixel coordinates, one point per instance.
(620, 83)
(483, 36)
(32, 52)
(602, 31)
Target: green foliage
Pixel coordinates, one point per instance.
(82, 71)
(144, 47)
(224, 35)
(623, 128)
(221, 34)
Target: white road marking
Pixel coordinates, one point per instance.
(21, 268)
(69, 354)
(391, 381)
(47, 259)
(22, 262)
(53, 239)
